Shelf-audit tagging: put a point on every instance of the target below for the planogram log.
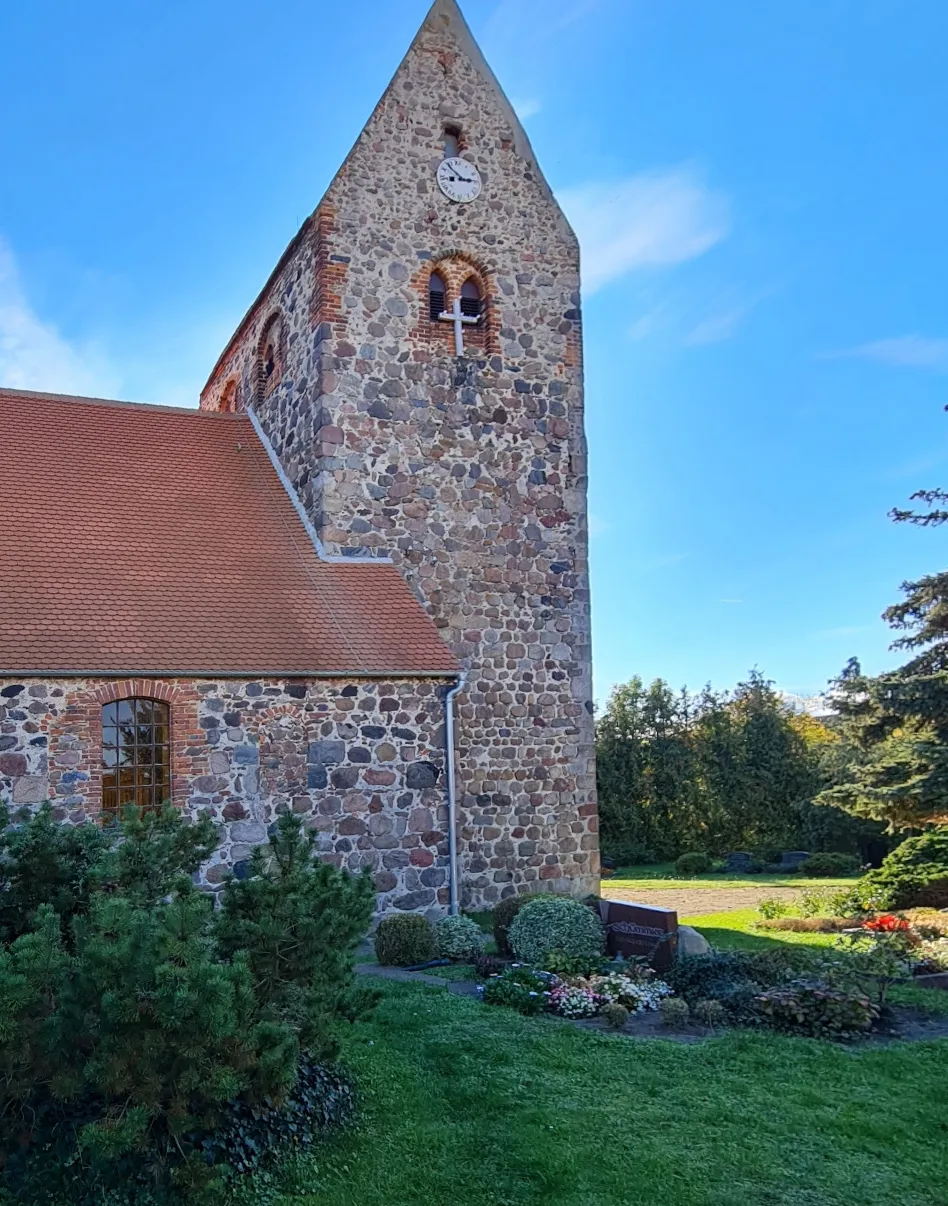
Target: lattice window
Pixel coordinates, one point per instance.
(136, 755)
(471, 301)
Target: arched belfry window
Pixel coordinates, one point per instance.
(136, 755)
(471, 301)
(452, 142)
(437, 297)
(271, 352)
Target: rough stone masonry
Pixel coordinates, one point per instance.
(467, 471)
(470, 472)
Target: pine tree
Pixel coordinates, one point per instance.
(298, 920)
(896, 724)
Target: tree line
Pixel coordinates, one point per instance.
(739, 770)
(717, 771)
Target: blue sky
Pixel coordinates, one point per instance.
(761, 189)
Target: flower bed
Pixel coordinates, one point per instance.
(630, 985)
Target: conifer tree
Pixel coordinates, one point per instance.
(896, 724)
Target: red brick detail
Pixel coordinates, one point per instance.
(454, 268)
(79, 732)
(331, 274)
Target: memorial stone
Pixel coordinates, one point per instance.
(640, 931)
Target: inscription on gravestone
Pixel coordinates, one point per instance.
(634, 931)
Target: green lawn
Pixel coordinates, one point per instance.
(663, 875)
(467, 1104)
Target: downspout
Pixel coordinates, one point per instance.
(452, 793)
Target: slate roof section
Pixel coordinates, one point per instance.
(155, 540)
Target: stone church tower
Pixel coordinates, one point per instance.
(467, 470)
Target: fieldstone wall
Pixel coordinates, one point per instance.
(363, 763)
(469, 471)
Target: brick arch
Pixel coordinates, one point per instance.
(229, 399)
(273, 330)
(456, 267)
(78, 731)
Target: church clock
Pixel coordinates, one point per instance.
(459, 180)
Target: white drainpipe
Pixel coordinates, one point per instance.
(452, 794)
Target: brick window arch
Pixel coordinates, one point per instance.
(270, 355)
(228, 402)
(455, 277)
(136, 755)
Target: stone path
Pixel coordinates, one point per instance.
(692, 902)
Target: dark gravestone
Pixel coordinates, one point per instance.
(740, 861)
(639, 931)
(791, 859)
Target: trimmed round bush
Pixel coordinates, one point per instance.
(504, 912)
(674, 1011)
(405, 940)
(692, 864)
(914, 875)
(616, 1015)
(459, 938)
(829, 864)
(709, 1013)
(556, 926)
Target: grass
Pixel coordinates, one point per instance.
(470, 1104)
(663, 875)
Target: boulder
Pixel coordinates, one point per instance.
(690, 942)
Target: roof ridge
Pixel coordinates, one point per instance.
(31, 395)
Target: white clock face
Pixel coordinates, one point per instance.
(459, 180)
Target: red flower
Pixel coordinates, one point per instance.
(887, 924)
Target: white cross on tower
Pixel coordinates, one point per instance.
(460, 322)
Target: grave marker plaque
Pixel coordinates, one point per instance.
(635, 930)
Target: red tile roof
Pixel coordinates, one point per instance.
(156, 540)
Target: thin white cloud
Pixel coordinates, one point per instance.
(527, 108)
(33, 354)
(716, 328)
(652, 219)
(903, 351)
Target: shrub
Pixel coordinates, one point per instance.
(824, 902)
(518, 988)
(486, 966)
(771, 908)
(829, 864)
(297, 921)
(692, 864)
(459, 938)
(504, 912)
(735, 978)
(815, 1009)
(126, 1034)
(915, 874)
(674, 1011)
(709, 1013)
(556, 924)
(616, 1015)
(405, 940)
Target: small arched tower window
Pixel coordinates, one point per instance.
(271, 352)
(471, 301)
(452, 142)
(437, 297)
